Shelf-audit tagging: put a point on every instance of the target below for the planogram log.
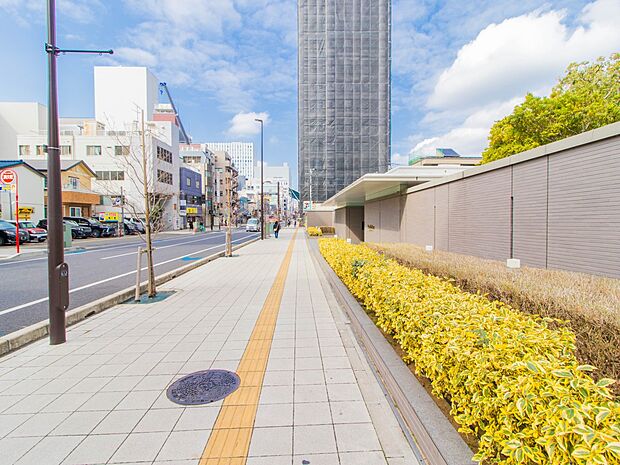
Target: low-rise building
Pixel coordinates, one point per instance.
(31, 185)
(78, 197)
(190, 197)
(199, 157)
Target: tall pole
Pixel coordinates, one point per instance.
(54, 192)
(278, 201)
(262, 199)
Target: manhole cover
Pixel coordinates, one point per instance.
(203, 387)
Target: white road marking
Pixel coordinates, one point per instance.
(81, 288)
(158, 248)
(99, 249)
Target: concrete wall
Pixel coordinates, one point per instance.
(320, 218)
(551, 209)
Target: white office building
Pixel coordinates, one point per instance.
(242, 154)
(113, 152)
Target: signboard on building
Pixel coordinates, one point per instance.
(192, 210)
(109, 216)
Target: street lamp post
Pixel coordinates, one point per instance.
(58, 270)
(262, 200)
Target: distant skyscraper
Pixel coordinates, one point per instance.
(242, 154)
(344, 92)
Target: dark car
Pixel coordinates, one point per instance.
(98, 229)
(8, 233)
(129, 227)
(77, 231)
(34, 234)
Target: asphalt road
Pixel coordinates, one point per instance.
(99, 269)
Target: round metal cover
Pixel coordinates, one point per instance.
(203, 387)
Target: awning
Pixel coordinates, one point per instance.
(376, 186)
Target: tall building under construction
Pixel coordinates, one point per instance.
(344, 93)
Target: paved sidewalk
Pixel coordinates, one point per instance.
(101, 397)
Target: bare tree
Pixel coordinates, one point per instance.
(147, 195)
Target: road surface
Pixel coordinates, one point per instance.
(100, 269)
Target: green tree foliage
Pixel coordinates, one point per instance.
(587, 97)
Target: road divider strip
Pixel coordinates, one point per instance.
(18, 339)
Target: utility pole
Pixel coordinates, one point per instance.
(262, 198)
(122, 209)
(147, 214)
(58, 270)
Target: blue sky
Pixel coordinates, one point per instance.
(457, 66)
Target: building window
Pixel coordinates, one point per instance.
(164, 176)
(41, 149)
(93, 150)
(74, 182)
(65, 150)
(24, 150)
(163, 154)
(110, 175)
(198, 183)
(121, 150)
(75, 211)
(188, 182)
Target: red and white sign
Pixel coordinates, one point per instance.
(8, 176)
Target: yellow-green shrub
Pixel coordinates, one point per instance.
(312, 231)
(510, 379)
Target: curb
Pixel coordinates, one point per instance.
(32, 333)
(433, 434)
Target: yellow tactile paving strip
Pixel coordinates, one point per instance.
(229, 442)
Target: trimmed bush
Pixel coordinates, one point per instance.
(312, 231)
(590, 304)
(510, 378)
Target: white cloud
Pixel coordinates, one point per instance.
(492, 73)
(525, 53)
(399, 159)
(136, 55)
(235, 52)
(244, 124)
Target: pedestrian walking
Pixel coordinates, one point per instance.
(276, 228)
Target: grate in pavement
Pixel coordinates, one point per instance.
(203, 387)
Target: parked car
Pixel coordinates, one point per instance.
(129, 227)
(34, 234)
(77, 231)
(98, 229)
(8, 233)
(253, 225)
(139, 225)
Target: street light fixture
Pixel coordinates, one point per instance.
(262, 200)
(58, 270)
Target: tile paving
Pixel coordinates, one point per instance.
(100, 398)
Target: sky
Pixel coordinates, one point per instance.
(457, 66)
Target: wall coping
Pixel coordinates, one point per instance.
(595, 135)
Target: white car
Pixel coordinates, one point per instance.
(253, 225)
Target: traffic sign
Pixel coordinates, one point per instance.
(8, 176)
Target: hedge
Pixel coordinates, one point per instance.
(312, 231)
(510, 378)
